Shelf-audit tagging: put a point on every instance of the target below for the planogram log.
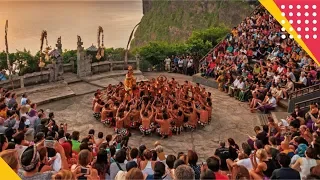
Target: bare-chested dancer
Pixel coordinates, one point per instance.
(97, 109)
(165, 125)
(146, 126)
(120, 117)
(106, 114)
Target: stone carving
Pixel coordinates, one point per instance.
(79, 43)
(59, 45)
(83, 60)
(56, 66)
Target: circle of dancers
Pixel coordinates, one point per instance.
(159, 106)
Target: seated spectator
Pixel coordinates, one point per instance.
(30, 159)
(263, 168)
(304, 164)
(134, 174)
(75, 141)
(271, 104)
(122, 174)
(11, 158)
(184, 172)
(223, 153)
(170, 160)
(192, 161)
(159, 171)
(213, 164)
(285, 172)
(119, 164)
(302, 81)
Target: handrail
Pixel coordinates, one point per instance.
(225, 37)
(304, 91)
(307, 102)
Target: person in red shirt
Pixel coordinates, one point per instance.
(275, 66)
(211, 66)
(213, 164)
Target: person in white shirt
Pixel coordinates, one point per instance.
(190, 67)
(167, 63)
(302, 81)
(180, 65)
(233, 86)
(270, 105)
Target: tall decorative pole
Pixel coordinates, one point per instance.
(128, 44)
(7, 52)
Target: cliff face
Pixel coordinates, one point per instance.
(173, 21)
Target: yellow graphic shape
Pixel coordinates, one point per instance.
(6, 173)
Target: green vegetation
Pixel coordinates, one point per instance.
(174, 21)
(197, 45)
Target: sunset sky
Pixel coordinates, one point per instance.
(66, 0)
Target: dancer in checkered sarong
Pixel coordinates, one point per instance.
(165, 125)
(204, 115)
(97, 109)
(106, 114)
(178, 122)
(146, 126)
(120, 117)
(192, 119)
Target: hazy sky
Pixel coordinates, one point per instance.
(69, 0)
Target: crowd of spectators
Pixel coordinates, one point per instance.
(36, 147)
(259, 60)
(180, 64)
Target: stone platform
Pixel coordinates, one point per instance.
(231, 118)
(72, 85)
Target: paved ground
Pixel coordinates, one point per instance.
(231, 118)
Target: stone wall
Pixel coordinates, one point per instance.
(68, 67)
(106, 66)
(99, 67)
(26, 80)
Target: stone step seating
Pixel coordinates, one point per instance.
(210, 82)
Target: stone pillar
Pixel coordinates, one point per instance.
(83, 61)
(59, 65)
(137, 62)
(21, 81)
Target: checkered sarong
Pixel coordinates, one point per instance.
(189, 126)
(122, 132)
(176, 128)
(145, 130)
(107, 121)
(162, 134)
(202, 123)
(97, 116)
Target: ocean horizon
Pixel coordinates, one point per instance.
(67, 19)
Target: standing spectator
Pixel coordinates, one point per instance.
(167, 63)
(190, 67)
(180, 65)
